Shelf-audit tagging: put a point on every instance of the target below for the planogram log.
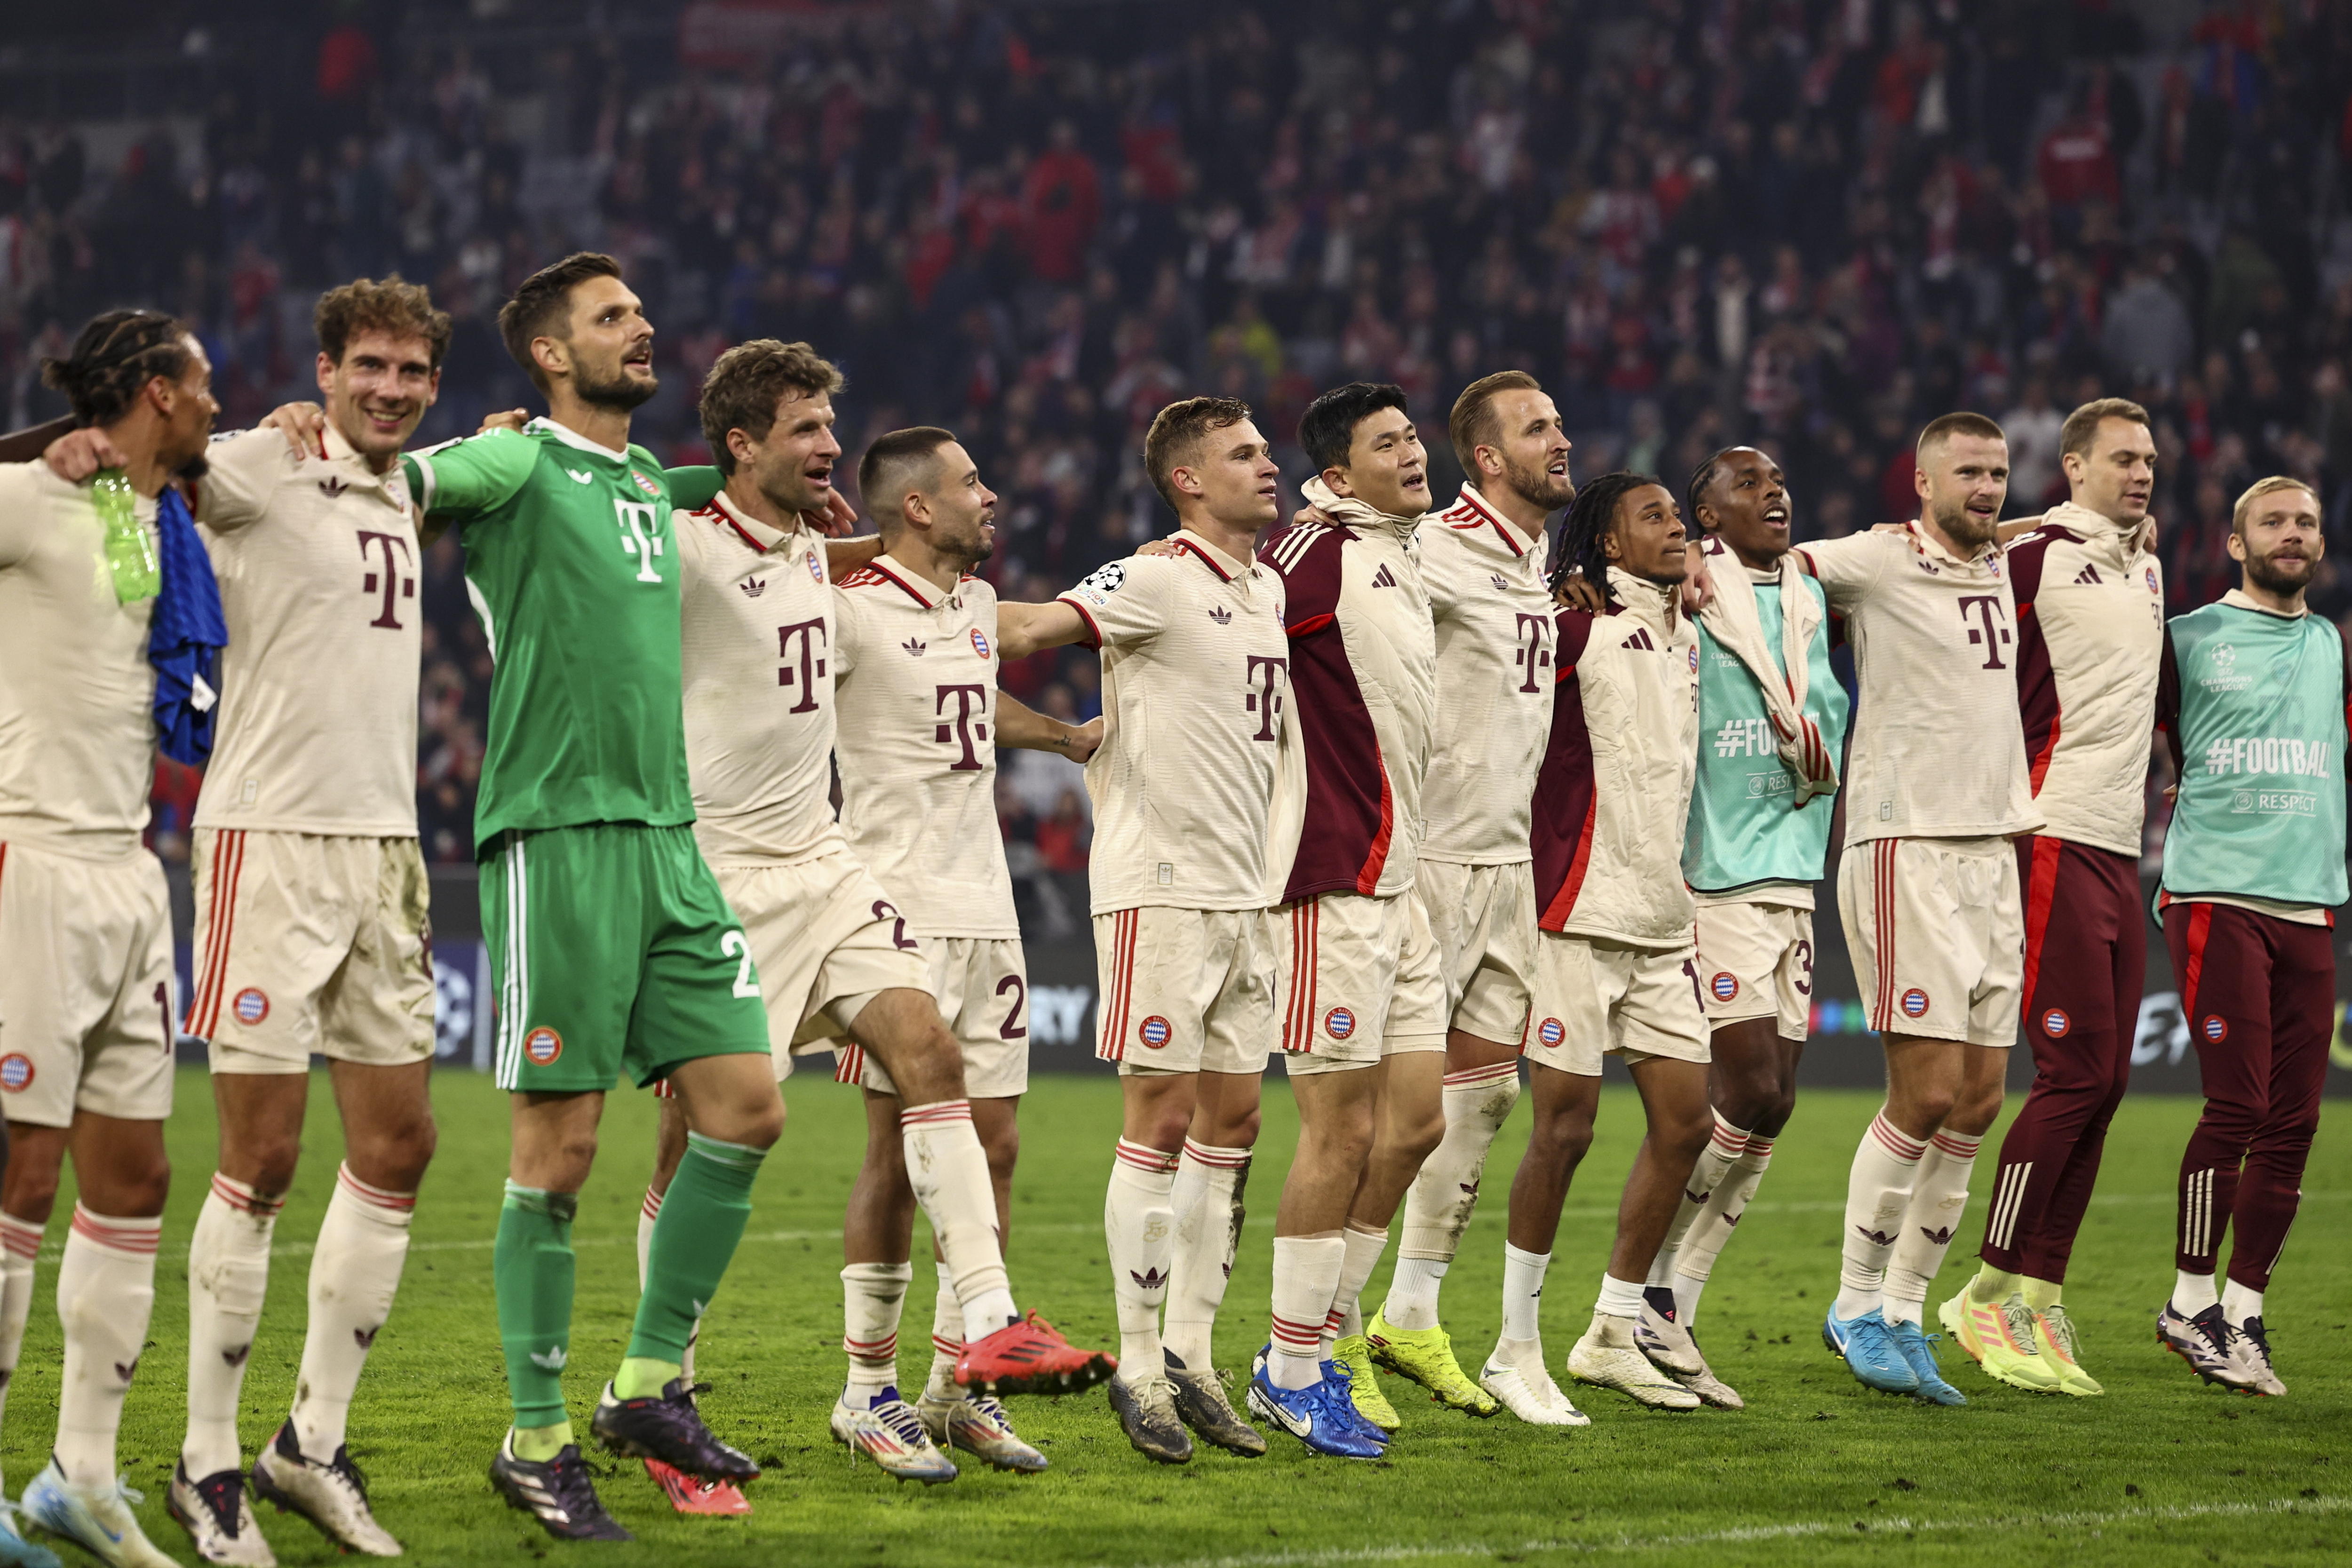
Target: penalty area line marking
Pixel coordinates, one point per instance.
(2280, 1508)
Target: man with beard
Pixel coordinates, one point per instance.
(1929, 888)
(1486, 574)
(2253, 699)
(611, 944)
(916, 656)
(2090, 618)
(85, 997)
(1772, 721)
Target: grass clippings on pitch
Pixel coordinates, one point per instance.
(1816, 1470)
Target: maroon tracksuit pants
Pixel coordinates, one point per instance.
(2259, 993)
(2085, 961)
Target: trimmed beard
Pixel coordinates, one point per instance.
(1537, 489)
(1962, 525)
(2270, 579)
(618, 396)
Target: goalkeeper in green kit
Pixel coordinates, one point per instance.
(613, 949)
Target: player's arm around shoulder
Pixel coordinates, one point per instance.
(1022, 726)
(20, 514)
(243, 469)
(1112, 605)
(472, 475)
(1848, 568)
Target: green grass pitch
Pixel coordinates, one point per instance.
(1816, 1470)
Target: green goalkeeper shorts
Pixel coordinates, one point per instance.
(614, 953)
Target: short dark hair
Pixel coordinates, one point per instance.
(1474, 424)
(743, 388)
(542, 308)
(1328, 428)
(890, 461)
(1944, 427)
(401, 309)
(1177, 432)
(1702, 479)
(2081, 427)
(114, 358)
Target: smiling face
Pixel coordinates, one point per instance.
(1234, 477)
(2279, 543)
(2117, 474)
(1645, 536)
(1748, 505)
(380, 391)
(1962, 481)
(792, 465)
(608, 349)
(1387, 468)
(1530, 452)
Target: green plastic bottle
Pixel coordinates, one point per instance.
(129, 551)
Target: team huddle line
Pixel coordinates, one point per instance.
(1443, 804)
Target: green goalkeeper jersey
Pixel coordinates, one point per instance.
(572, 567)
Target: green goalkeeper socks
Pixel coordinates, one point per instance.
(534, 1268)
(702, 1219)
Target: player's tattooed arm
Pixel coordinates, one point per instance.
(1022, 726)
(1024, 629)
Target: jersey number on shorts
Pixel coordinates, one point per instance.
(1805, 956)
(1013, 1029)
(641, 530)
(898, 937)
(1698, 992)
(733, 945)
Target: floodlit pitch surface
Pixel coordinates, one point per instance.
(1817, 1469)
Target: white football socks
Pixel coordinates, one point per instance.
(648, 1214)
(1523, 1283)
(1877, 1196)
(947, 1340)
(354, 1274)
(2239, 1302)
(106, 1295)
(1363, 1256)
(1695, 1259)
(1724, 1148)
(20, 1250)
(1305, 1282)
(228, 1276)
(1414, 1289)
(1207, 1199)
(1139, 1234)
(1437, 1206)
(872, 1296)
(1939, 1197)
(2192, 1293)
(949, 1170)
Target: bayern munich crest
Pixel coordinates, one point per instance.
(1154, 1032)
(543, 1046)
(1914, 1003)
(1551, 1031)
(251, 1004)
(15, 1072)
(816, 568)
(2054, 1023)
(646, 484)
(1693, 659)
(2215, 1028)
(978, 643)
(1339, 1023)
(2153, 587)
(1725, 985)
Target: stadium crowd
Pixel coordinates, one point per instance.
(1815, 222)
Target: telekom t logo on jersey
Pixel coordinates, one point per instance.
(968, 725)
(1992, 635)
(811, 662)
(1264, 700)
(1532, 656)
(395, 579)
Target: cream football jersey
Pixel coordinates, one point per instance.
(1495, 624)
(317, 563)
(914, 672)
(757, 656)
(77, 693)
(1195, 672)
(1937, 750)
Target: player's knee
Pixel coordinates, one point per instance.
(395, 1157)
(1561, 1137)
(31, 1189)
(1417, 1140)
(1002, 1147)
(753, 1126)
(270, 1164)
(1775, 1115)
